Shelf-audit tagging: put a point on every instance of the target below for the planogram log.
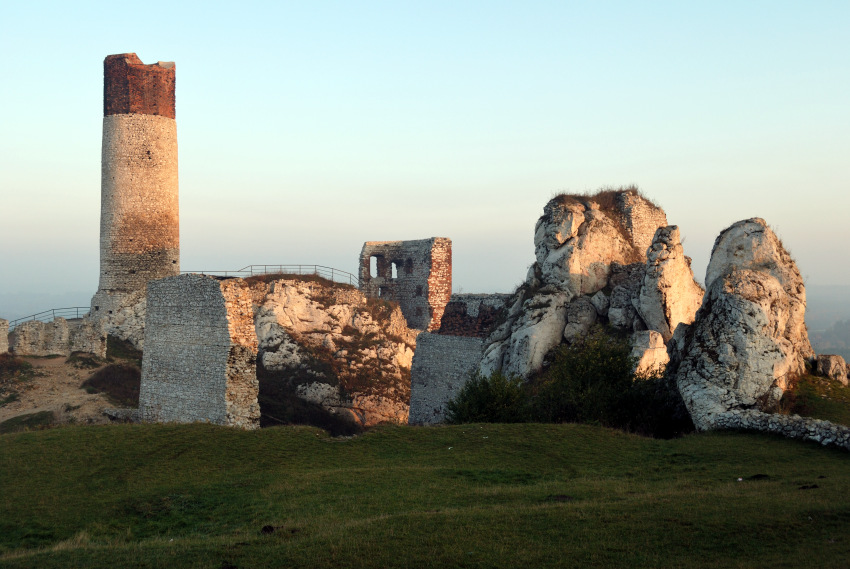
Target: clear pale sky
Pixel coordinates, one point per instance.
(307, 128)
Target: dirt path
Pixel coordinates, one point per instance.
(56, 387)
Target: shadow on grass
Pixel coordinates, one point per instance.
(120, 382)
(27, 422)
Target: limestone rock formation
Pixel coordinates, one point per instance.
(534, 326)
(668, 296)
(749, 339)
(338, 349)
(578, 238)
(833, 367)
(625, 282)
(581, 316)
(649, 349)
(590, 254)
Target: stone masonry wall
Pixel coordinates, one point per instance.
(139, 219)
(199, 362)
(441, 367)
(140, 230)
(60, 337)
(472, 314)
(129, 86)
(423, 282)
(4, 336)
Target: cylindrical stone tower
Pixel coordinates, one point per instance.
(139, 221)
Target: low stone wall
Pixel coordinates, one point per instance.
(36, 338)
(200, 354)
(441, 366)
(4, 336)
(60, 337)
(791, 426)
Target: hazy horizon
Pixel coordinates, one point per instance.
(306, 129)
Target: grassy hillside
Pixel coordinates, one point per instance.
(462, 496)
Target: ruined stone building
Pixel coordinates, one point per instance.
(200, 356)
(416, 274)
(139, 221)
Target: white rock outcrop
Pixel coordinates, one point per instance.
(649, 350)
(583, 244)
(533, 328)
(339, 350)
(578, 238)
(833, 367)
(749, 339)
(669, 295)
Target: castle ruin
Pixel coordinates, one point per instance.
(139, 221)
(200, 357)
(415, 274)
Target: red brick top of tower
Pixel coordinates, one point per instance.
(131, 87)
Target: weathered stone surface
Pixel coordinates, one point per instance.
(578, 238)
(441, 367)
(669, 296)
(533, 328)
(36, 338)
(139, 217)
(60, 337)
(583, 244)
(472, 314)
(601, 303)
(833, 367)
(88, 336)
(370, 359)
(199, 362)
(625, 282)
(122, 315)
(648, 347)
(4, 336)
(748, 340)
(416, 274)
(581, 315)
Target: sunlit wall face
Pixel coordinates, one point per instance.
(309, 128)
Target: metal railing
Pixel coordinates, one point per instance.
(48, 315)
(330, 273)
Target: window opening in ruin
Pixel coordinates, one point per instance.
(394, 270)
(373, 266)
(382, 291)
(408, 266)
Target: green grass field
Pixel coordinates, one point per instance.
(463, 496)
